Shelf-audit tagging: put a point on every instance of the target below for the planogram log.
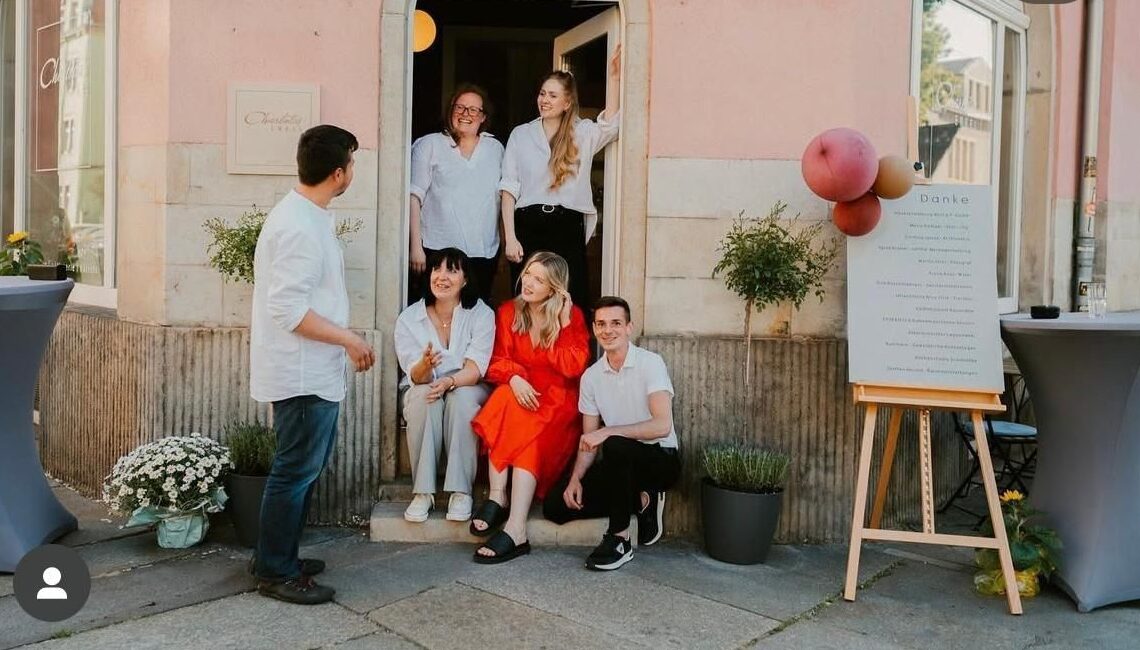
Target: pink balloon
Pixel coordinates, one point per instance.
(859, 217)
(840, 165)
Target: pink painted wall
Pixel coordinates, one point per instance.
(335, 43)
(144, 82)
(1068, 33)
(1119, 146)
(760, 78)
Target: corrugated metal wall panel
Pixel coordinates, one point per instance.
(108, 386)
(799, 402)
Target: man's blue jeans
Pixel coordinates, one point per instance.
(306, 433)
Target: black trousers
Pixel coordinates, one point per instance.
(612, 486)
(558, 230)
(483, 271)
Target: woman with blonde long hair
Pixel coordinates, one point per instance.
(530, 424)
(547, 202)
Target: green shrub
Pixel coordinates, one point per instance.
(231, 251)
(231, 248)
(252, 446)
(746, 468)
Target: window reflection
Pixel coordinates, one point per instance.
(66, 133)
(956, 82)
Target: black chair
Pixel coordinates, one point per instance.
(1011, 470)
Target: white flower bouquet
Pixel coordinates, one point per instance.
(174, 482)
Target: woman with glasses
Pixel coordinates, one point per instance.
(455, 200)
(547, 201)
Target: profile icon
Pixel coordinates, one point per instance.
(52, 576)
(52, 583)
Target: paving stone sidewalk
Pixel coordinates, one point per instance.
(433, 596)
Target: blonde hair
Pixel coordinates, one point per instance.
(558, 277)
(563, 148)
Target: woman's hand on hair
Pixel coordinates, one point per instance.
(514, 251)
(564, 312)
(525, 394)
(417, 259)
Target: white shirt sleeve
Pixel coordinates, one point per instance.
(587, 405)
(602, 132)
(421, 167)
(509, 180)
(293, 273)
(657, 376)
(408, 348)
(482, 339)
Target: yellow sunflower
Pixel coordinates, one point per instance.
(17, 237)
(1011, 495)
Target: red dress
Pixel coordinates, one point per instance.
(540, 442)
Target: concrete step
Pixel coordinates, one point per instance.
(388, 525)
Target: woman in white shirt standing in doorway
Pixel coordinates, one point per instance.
(547, 202)
(454, 187)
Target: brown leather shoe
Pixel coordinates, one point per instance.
(301, 591)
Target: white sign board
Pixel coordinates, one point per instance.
(922, 293)
(264, 123)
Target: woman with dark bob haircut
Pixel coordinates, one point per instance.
(443, 344)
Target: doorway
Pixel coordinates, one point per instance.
(626, 273)
(506, 47)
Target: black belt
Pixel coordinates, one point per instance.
(547, 209)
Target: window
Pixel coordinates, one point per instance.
(65, 164)
(967, 133)
(7, 114)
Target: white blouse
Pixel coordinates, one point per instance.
(460, 196)
(526, 167)
(472, 337)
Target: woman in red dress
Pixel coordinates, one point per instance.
(530, 422)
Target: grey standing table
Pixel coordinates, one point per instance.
(30, 515)
(1084, 378)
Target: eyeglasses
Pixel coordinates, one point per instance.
(470, 110)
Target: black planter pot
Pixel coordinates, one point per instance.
(245, 494)
(738, 526)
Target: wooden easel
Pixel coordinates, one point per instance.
(899, 398)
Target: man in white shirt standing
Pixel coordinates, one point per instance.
(626, 401)
(299, 338)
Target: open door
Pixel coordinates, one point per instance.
(585, 51)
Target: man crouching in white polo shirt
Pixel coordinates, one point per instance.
(626, 401)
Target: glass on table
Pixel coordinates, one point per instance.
(1097, 300)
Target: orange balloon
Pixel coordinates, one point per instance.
(895, 178)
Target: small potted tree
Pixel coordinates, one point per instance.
(252, 446)
(741, 499)
(769, 260)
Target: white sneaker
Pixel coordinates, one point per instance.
(459, 507)
(419, 508)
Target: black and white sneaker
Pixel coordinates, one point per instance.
(613, 552)
(650, 521)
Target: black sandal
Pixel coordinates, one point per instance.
(504, 547)
(491, 513)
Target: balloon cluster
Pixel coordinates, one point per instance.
(841, 165)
